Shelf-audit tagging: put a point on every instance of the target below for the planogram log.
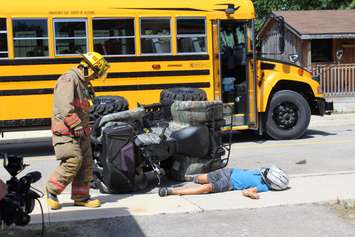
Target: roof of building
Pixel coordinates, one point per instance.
(320, 24)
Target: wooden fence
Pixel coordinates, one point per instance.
(336, 79)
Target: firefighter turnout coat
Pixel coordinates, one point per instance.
(72, 98)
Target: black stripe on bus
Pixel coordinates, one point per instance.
(158, 74)
(29, 78)
(45, 91)
(110, 75)
(268, 60)
(42, 61)
(164, 9)
(151, 86)
(17, 124)
(268, 66)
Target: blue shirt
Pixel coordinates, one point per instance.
(244, 179)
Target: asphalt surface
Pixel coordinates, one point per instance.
(323, 148)
(328, 146)
(306, 220)
(312, 220)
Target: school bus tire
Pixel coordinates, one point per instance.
(106, 105)
(168, 96)
(288, 115)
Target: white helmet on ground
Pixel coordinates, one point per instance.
(275, 178)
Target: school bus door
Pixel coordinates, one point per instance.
(252, 75)
(237, 76)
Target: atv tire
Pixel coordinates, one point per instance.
(104, 105)
(168, 96)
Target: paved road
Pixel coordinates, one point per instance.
(295, 221)
(326, 147)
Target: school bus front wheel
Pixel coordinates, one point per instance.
(288, 115)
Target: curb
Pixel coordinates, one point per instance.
(315, 185)
(343, 104)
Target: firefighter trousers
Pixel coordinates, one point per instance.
(76, 167)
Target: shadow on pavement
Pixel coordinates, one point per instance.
(151, 188)
(253, 136)
(311, 132)
(104, 225)
(245, 136)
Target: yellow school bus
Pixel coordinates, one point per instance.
(151, 46)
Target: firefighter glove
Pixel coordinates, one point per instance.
(79, 131)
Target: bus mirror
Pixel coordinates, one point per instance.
(293, 58)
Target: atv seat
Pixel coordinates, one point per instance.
(157, 134)
(133, 117)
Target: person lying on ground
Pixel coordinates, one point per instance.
(250, 181)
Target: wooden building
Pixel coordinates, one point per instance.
(324, 41)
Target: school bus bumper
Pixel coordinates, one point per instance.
(323, 107)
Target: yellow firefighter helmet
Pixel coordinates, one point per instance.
(96, 64)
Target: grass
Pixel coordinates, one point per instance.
(345, 209)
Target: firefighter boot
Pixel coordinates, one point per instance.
(93, 203)
(52, 201)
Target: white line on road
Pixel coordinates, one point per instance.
(345, 172)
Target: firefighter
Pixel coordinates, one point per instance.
(3, 189)
(73, 96)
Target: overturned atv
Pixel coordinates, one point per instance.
(128, 144)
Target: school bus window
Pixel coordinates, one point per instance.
(70, 36)
(3, 39)
(155, 36)
(114, 36)
(30, 37)
(191, 36)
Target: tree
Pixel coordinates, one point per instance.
(352, 5)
